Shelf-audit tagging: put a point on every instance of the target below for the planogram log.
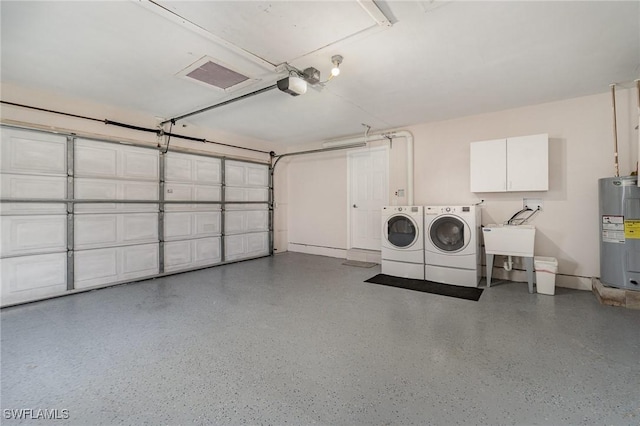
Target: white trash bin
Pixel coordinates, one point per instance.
(546, 269)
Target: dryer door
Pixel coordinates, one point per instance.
(401, 231)
(449, 234)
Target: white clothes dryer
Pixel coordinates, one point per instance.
(403, 241)
(452, 245)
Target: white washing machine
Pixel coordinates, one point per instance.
(403, 241)
(452, 245)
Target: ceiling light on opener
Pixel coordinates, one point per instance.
(336, 60)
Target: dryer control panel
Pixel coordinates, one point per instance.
(447, 209)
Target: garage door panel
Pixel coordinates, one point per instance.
(28, 186)
(93, 267)
(32, 208)
(177, 225)
(186, 225)
(239, 173)
(82, 208)
(114, 161)
(140, 165)
(258, 243)
(246, 194)
(178, 168)
(190, 168)
(191, 192)
(177, 255)
(95, 160)
(93, 231)
(138, 261)
(257, 175)
(95, 189)
(245, 246)
(208, 171)
(138, 191)
(186, 254)
(234, 247)
(239, 222)
(36, 153)
(234, 223)
(105, 230)
(103, 189)
(207, 250)
(23, 235)
(234, 173)
(29, 277)
(139, 227)
(190, 207)
(207, 223)
(32, 187)
(115, 264)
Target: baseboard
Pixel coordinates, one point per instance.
(318, 250)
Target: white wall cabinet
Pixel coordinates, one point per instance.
(511, 164)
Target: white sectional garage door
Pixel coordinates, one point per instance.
(112, 213)
(246, 225)
(115, 242)
(192, 231)
(33, 249)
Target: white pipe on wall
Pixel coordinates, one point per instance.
(381, 136)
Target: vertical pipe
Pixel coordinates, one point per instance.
(615, 131)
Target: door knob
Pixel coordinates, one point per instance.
(355, 207)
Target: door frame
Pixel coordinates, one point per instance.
(384, 148)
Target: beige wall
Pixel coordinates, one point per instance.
(56, 122)
(580, 150)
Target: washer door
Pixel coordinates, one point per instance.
(401, 231)
(449, 234)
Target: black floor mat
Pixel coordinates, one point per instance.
(469, 293)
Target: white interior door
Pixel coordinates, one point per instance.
(368, 192)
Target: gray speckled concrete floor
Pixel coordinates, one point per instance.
(299, 339)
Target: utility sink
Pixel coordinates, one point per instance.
(509, 240)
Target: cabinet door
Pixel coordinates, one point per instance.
(488, 166)
(528, 163)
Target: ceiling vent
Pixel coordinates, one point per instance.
(216, 75)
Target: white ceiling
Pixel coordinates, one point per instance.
(437, 60)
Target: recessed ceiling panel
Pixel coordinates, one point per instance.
(276, 31)
(215, 74)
